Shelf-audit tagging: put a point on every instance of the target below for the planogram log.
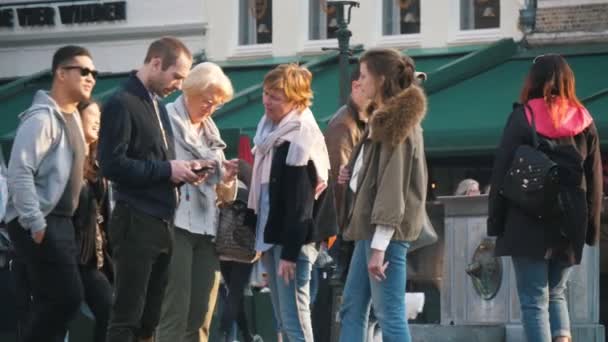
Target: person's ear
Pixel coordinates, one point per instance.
(60, 74)
(156, 63)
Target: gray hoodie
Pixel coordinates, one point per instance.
(40, 163)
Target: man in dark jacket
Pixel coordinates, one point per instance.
(136, 153)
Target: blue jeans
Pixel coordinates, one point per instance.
(387, 296)
(541, 286)
(291, 302)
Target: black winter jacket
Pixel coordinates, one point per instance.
(132, 153)
(525, 236)
(295, 218)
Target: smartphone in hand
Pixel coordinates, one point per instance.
(202, 170)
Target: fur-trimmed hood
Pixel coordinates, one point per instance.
(395, 120)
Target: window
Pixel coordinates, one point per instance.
(479, 14)
(400, 17)
(255, 20)
(322, 22)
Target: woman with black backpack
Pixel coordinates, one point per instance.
(544, 246)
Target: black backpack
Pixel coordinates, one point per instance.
(545, 179)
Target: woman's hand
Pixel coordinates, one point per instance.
(376, 265)
(344, 175)
(231, 168)
(287, 270)
(199, 164)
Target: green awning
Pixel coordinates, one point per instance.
(471, 90)
(19, 98)
(468, 117)
(16, 96)
(325, 86)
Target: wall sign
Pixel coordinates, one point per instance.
(93, 13)
(36, 16)
(31, 16)
(6, 18)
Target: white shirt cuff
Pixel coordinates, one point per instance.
(382, 237)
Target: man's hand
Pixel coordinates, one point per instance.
(181, 172)
(38, 236)
(287, 270)
(376, 265)
(344, 175)
(231, 168)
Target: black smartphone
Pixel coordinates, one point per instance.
(202, 170)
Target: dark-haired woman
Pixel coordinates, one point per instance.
(89, 221)
(386, 191)
(544, 249)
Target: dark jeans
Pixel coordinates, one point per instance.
(142, 247)
(236, 277)
(54, 279)
(23, 296)
(98, 296)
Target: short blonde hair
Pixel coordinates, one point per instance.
(208, 77)
(294, 81)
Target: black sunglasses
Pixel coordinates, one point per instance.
(84, 72)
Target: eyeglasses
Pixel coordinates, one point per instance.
(84, 71)
(212, 104)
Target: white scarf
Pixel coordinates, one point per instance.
(187, 137)
(306, 143)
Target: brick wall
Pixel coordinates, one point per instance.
(579, 18)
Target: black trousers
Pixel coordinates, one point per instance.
(98, 296)
(53, 276)
(142, 247)
(236, 277)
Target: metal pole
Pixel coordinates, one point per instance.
(343, 34)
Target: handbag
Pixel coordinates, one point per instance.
(427, 237)
(235, 238)
(532, 181)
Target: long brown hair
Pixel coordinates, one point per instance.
(397, 69)
(91, 169)
(551, 78)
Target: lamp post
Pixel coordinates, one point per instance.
(527, 16)
(343, 9)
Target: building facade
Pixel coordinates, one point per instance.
(116, 32)
(570, 21)
(286, 28)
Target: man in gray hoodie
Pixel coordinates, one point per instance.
(45, 173)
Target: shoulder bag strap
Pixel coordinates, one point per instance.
(534, 134)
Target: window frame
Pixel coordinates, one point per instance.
(316, 45)
(401, 40)
(459, 36)
(254, 49)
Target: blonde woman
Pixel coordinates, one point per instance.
(289, 176)
(194, 271)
